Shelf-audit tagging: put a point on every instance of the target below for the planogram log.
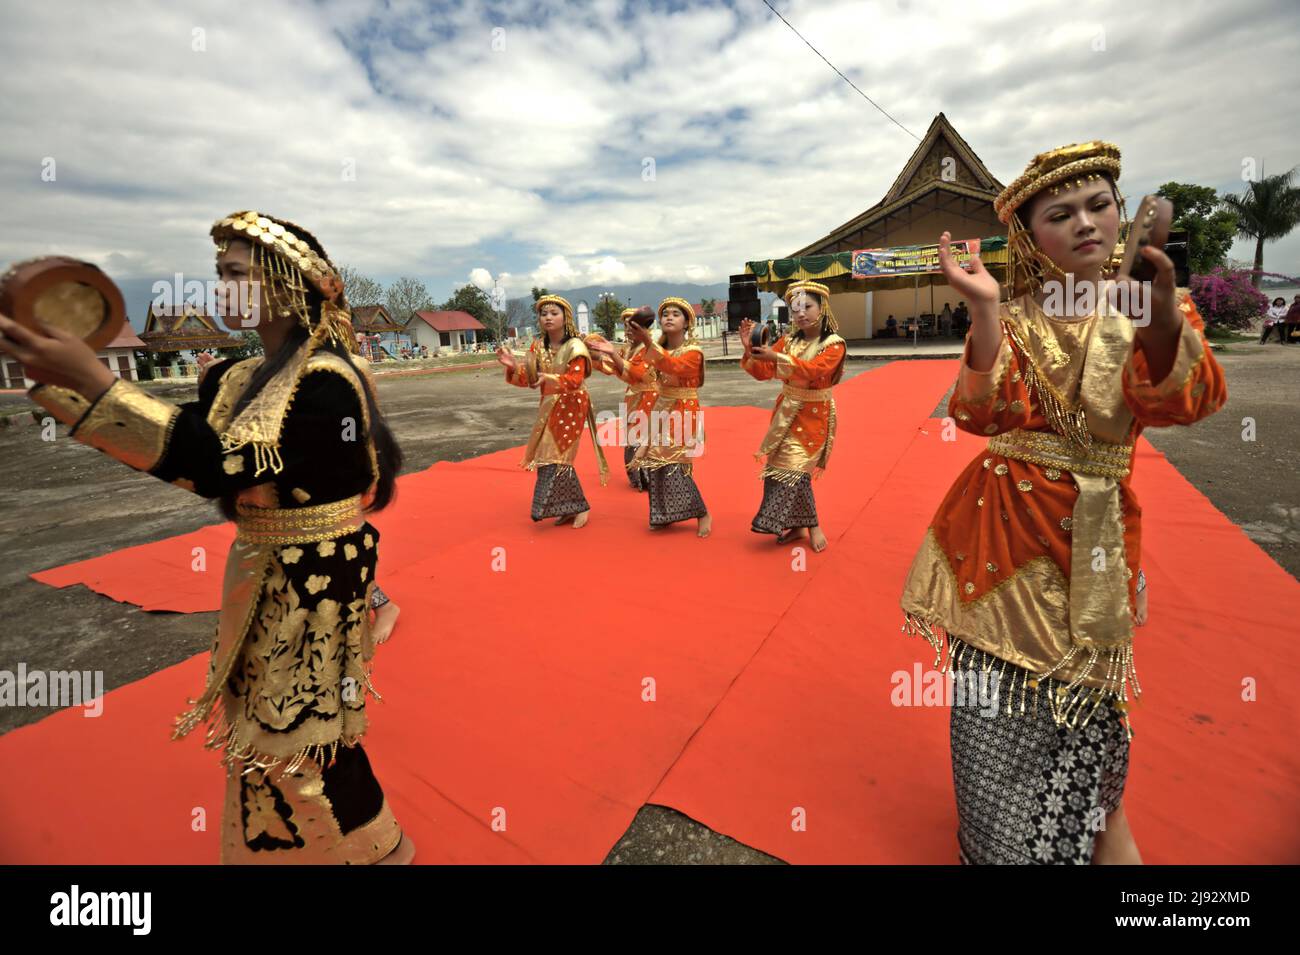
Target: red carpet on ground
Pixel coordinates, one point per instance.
(771, 682)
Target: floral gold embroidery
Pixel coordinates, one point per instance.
(317, 582)
(291, 555)
(325, 548)
(232, 464)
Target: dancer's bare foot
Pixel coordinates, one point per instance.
(404, 854)
(580, 519)
(385, 620)
(791, 533)
(818, 539)
(704, 525)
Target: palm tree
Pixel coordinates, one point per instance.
(1269, 210)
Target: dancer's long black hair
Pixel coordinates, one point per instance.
(824, 305)
(388, 455)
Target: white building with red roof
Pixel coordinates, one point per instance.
(444, 330)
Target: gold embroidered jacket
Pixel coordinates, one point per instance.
(1033, 554)
(289, 670)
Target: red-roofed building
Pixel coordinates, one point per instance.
(453, 330)
(118, 357)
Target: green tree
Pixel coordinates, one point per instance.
(606, 314)
(538, 293)
(472, 299)
(1211, 228)
(250, 346)
(1267, 210)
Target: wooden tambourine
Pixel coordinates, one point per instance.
(60, 292)
(1150, 226)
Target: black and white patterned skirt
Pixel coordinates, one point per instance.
(674, 496)
(635, 476)
(785, 506)
(1029, 792)
(558, 493)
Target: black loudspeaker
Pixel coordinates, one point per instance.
(738, 310)
(742, 301)
(743, 288)
(783, 314)
(1176, 249)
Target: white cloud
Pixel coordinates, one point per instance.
(469, 159)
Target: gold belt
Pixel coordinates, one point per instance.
(642, 389)
(298, 525)
(678, 391)
(807, 394)
(1050, 450)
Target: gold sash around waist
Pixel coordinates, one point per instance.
(678, 392)
(1050, 450)
(641, 389)
(298, 525)
(807, 394)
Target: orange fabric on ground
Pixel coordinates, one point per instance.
(785, 706)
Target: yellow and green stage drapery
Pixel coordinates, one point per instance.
(835, 270)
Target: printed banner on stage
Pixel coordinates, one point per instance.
(909, 259)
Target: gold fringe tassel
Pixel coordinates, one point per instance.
(1072, 704)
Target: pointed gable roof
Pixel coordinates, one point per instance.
(183, 328)
(925, 172)
(942, 142)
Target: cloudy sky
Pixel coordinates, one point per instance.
(569, 144)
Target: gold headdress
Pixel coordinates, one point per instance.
(687, 309)
(823, 293)
(569, 327)
(1074, 165)
(291, 259)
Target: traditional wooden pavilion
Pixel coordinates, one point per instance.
(182, 328)
(944, 185)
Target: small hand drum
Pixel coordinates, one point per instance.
(1149, 227)
(760, 335)
(60, 292)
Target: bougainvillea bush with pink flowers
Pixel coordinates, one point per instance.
(1226, 299)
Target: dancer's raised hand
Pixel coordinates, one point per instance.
(977, 285)
(56, 357)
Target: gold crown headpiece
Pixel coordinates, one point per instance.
(291, 259)
(822, 292)
(569, 327)
(687, 310)
(1075, 165)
